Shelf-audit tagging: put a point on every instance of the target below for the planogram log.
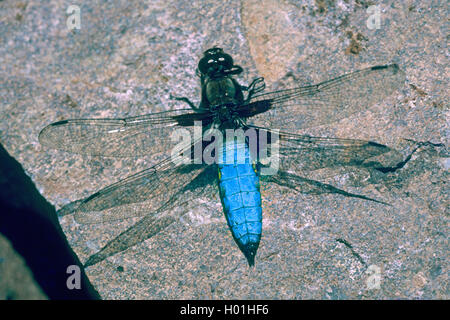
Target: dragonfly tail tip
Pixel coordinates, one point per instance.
(250, 253)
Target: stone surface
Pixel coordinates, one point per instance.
(128, 58)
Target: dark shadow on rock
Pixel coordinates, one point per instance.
(31, 224)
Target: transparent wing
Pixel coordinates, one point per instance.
(127, 137)
(160, 194)
(325, 102)
(301, 153)
(165, 185)
(172, 206)
(298, 154)
(308, 186)
(180, 199)
(144, 229)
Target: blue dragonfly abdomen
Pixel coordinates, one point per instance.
(240, 196)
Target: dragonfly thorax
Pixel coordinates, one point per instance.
(221, 91)
(226, 116)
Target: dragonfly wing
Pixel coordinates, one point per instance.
(152, 224)
(298, 154)
(144, 229)
(127, 137)
(326, 102)
(302, 153)
(308, 186)
(154, 190)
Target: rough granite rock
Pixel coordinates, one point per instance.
(128, 57)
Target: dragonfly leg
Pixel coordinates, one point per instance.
(184, 99)
(256, 86)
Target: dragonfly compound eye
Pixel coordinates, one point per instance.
(215, 60)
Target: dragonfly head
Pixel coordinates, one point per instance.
(216, 64)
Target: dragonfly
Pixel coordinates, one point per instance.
(239, 166)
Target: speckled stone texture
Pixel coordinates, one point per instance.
(129, 56)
